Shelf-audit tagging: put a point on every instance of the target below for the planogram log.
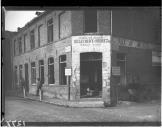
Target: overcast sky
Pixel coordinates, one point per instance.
(15, 19)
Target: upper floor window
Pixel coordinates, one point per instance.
(40, 34)
(50, 30)
(90, 21)
(14, 48)
(20, 45)
(32, 39)
(25, 41)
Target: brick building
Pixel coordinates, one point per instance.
(103, 48)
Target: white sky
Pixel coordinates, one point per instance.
(15, 19)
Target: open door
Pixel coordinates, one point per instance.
(91, 75)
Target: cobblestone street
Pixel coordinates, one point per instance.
(34, 111)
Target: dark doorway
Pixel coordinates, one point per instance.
(91, 75)
(26, 77)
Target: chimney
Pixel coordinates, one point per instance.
(38, 13)
(18, 29)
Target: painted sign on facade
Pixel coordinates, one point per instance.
(91, 43)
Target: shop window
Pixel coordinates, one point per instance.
(16, 78)
(20, 72)
(25, 41)
(32, 39)
(33, 73)
(20, 45)
(50, 30)
(51, 79)
(41, 70)
(40, 28)
(62, 65)
(90, 21)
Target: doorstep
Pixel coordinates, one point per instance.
(66, 103)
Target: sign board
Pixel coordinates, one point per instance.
(67, 71)
(116, 71)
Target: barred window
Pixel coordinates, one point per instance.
(51, 79)
(33, 73)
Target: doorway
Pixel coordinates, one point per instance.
(91, 75)
(26, 77)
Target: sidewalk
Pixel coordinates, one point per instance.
(67, 103)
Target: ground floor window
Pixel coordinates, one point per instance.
(33, 73)
(16, 79)
(20, 72)
(41, 70)
(62, 65)
(51, 79)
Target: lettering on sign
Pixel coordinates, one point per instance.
(115, 71)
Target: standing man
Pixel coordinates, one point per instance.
(23, 85)
(39, 85)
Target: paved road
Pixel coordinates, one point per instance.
(34, 111)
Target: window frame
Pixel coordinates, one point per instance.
(39, 41)
(50, 39)
(49, 66)
(32, 44)
(25, 36)
(62, 71)
(33, 77)
(41, 65)
(20, 45)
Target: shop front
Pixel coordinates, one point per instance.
(91, 66)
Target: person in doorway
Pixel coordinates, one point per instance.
(39, 86)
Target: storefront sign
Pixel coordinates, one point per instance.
(130, 43)
(67, 72)
(115, 71)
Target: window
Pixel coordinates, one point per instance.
(51, 79)
(62, 65)
(25, 41)
(40, 34)
(14, 47)
(20, 72)
(50, 30)
(20, 45)
(16, 79)
(41, 70)
(33, 73)
(32, 40)
(90, 21)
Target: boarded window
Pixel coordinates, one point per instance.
(51, 79)
(20, 45)
(33, 73)
(32, 40)
(50, 30)
(64, 24)
(41, 70)
(90, 21)
(62, 65)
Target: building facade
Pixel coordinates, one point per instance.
(84, 44)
